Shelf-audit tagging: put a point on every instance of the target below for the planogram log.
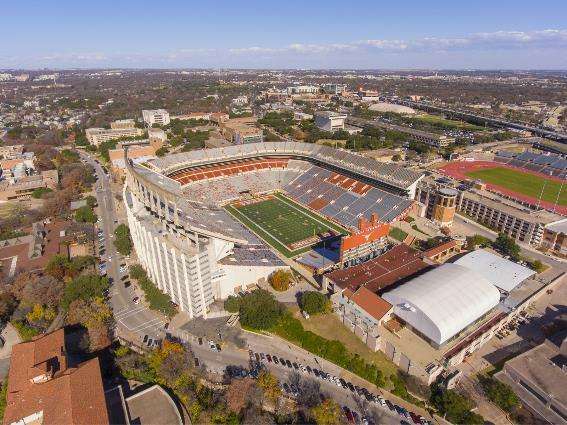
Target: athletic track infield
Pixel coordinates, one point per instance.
(459, 170)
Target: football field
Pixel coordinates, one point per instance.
(285, 225)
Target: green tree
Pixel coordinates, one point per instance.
(232, 304)
(91, 201)
(506, 246)
(454, 407)
(40, 191)
(85, 214)
(260, 310)
(122, 240)
(499, 393)
(85, 288)
(314, 302)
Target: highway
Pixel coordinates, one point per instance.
(133, 321)
(560, 137)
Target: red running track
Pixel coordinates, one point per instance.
(458, 170)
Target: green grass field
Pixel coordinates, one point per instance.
(282, 222)
(437, 120)
(523, 183)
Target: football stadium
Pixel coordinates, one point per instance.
(211, 222)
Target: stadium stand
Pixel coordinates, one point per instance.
(548, 164)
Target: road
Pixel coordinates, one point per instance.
(469, 227)
(216, 362)
(132, 321)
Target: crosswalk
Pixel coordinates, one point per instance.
(124, 315)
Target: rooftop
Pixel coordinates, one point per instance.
(371, 303)
(381, 272)
(43, 385)
(502, 273)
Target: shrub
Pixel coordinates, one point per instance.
(314, 302)
(40, 191)
(280, 280)
(499, 393)
(156, 299)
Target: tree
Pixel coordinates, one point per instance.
(40, 191)
(327, 413)
(8, 304)
(314, 302)
(84, 287)
(499, 393)
(232, 304)
(241, 393)
(477, 240)
(506, 246)
(91, 201)
(454, 406)
(269, 385)
(122, 240)
(260, 310)
(280, 280)
(85, 214)
(309, 390)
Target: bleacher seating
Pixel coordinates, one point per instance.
(548, 164)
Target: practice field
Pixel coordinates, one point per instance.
(285, 225)
(523, 183)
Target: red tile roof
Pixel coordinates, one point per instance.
(371, 303)
(71, 395)
(398, 263)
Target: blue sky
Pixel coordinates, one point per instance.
(285, 34)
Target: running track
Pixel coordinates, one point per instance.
(458, 170)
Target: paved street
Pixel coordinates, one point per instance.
(131, 319)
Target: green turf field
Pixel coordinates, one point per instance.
(282, 222)
(523, 183)
(448, 124)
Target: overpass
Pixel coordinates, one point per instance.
(481, 120)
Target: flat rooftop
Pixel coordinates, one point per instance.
(381, 272)
(153, 406)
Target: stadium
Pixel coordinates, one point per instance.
(210, 222)
(530, 178)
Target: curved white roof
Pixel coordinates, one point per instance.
(443, 301)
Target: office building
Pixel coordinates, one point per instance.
(155, 116)
(122, 124)
(96, 135)
(330, 121)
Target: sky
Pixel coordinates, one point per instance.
(410, 34)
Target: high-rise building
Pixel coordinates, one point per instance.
(155, 116)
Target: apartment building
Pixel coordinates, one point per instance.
(97, 135)
(123, 124)
(330, 120)
(334, 88)
(11, 151)
(155, 116)
(302, 90)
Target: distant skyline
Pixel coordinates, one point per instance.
(438, 34)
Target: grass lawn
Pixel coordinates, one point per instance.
(398, 234)
(282, 222)
(450, 124)
(523, 183)
(329, 326)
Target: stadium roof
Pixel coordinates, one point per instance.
(391, 174)
(502, 273)
(443, 301)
